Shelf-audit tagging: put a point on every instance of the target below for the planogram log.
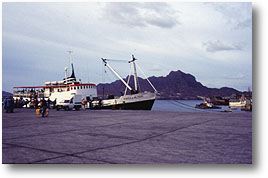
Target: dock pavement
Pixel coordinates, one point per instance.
(126, 137)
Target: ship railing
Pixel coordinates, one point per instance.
(27, 94)
(24, 95)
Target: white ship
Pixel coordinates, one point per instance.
(56, 90)
(237, 102)
(136, 100)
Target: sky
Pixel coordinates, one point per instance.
(212, 41)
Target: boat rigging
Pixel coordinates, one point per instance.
(136, 100)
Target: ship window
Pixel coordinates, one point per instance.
(75, 88)
(84, 87)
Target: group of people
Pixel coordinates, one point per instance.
(9, 104)
(19, 103)
(43, 105)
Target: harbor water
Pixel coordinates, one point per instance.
(186, 105)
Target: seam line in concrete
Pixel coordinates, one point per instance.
(147, 138)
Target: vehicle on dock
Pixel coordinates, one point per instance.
(136, 100)
(69, 103)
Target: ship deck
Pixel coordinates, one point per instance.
(126, 137)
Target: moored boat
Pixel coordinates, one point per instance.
(136, 100)
(56, 90)
(206, 104)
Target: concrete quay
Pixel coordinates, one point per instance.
(126, 137)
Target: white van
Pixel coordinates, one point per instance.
(69, 103)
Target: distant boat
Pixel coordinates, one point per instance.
(206, 104)
(234, 102)
(218, 100)
(244, 101)
(136, 100)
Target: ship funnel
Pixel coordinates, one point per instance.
(73, 75)
(71, 62)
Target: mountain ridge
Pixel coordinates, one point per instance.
(175, 85)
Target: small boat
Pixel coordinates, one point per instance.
(234, 102)
(206, 104)
(136, 100)
(218, 100)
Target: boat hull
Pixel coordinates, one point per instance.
(237, 104)
(139, 101)
(140, 105)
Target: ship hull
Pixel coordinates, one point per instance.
(139, 101)
(139, 105)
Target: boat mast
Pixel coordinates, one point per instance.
(70, 57)
(135, 74)
(106, 64)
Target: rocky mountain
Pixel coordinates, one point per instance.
(176, 85)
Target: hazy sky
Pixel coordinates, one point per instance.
(212, 41)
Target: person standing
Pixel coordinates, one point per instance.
(48, 103)
(7, 104)
(36, 102)
(12, 104)
(84, 102)
(44, 107)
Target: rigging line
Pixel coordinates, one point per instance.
(117, 60)
(130, 72)
(194, 107)
(111, 80)
(146, 77)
